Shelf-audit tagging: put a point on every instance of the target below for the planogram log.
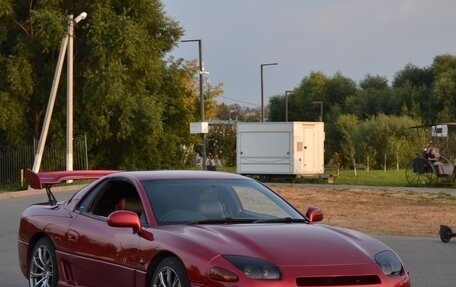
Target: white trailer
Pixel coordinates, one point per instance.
(280, 148)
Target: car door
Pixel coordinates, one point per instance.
(102, 255)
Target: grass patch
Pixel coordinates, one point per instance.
(362, 177)
(391, 177)
(372, 178)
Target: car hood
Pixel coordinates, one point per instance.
(286, 244)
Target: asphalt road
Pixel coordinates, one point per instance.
(431, 263)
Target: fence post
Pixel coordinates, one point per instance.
(384, 166)
(85, 152)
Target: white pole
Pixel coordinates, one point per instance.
(71, 22)
(69, 137)
(50, 106)
(55, 84)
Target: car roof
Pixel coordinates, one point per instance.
(176, 174)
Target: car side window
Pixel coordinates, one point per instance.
(86, 203)
(111, 196)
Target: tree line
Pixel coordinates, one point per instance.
(370, 122)
(132, 102)
(135, 104)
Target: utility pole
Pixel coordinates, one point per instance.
(66, 45)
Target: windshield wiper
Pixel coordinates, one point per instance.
(283, 220)
(225, 220)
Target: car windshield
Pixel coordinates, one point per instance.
(196, 201)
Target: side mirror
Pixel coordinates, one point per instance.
(126, 218)
(315, 214)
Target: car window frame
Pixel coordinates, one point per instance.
(232, 195)
(93, 196)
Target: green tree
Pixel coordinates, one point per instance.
(346, 127)
(130, 101)
(389, 138)
(276, 108)
(412, 85)
(312, 88)
(125, 73)
(221, 142)
(229, 112)
(373, 98)
(444, 88)
(30, 36)
(210, 93)
(339, 89)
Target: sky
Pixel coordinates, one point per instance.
(353, 37)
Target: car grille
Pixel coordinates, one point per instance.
(338, 280)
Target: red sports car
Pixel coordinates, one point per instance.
(190, 228)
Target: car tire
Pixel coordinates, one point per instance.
(445, 234)
(43, 264)
(170, 272)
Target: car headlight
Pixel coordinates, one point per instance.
(389, 263)
(255, 268)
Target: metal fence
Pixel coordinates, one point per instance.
(14, 162)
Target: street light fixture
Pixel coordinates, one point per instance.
(67, 44)
(201, 72)
(321, 108)
(80, 17)
(262, 97)
(286, 103)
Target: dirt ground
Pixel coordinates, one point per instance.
(375, 211)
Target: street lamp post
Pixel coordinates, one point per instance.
(286, 104)
(66, 46)
(321, 108)
(71, 22)
(262, 97)
(201, 72)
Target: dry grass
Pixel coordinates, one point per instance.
(377, 212)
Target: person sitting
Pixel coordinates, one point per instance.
(433, 155)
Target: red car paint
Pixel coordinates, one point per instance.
(118, 249)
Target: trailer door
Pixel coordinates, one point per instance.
(309, 150)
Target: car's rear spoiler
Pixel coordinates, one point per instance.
(38, 180)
